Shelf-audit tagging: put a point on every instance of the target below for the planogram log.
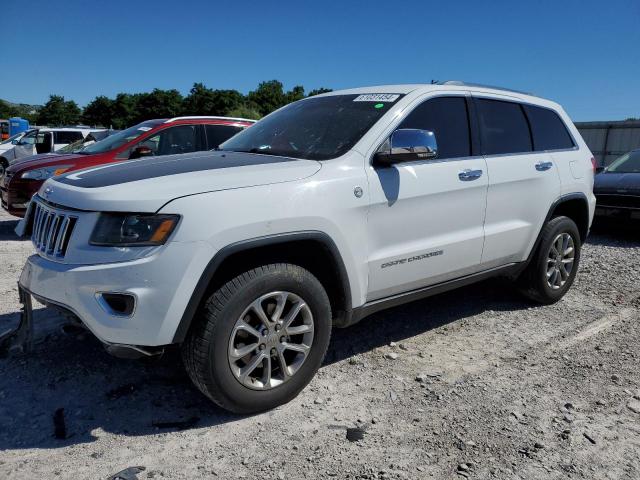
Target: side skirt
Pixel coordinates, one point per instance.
(358, 313)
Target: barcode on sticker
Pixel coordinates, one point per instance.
(377, 97)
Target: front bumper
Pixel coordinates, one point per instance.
(618, 206)
(15, 195)
(161, 283)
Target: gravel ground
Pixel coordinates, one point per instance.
(474, 383)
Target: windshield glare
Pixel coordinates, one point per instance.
(117, 140)
(318, 128)
(627, 163)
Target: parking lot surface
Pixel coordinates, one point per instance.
(475, 383)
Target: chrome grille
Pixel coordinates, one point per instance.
(51, 230)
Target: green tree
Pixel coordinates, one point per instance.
(244, 111)
(7, 111)
(57, 111)
(205, 101)
(318, 91)
(99, 112)
(295, 94)
(158, 104)
(269, 96)
(123, 110)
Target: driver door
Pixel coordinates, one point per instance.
(426, 220)
(26, 146)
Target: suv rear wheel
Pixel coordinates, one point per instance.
(260, 338)
(555, 263)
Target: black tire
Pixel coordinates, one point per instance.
(533, 281)
(205, 351)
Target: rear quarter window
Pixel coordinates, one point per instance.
(503, 127)
(218, 134)
(548, 129)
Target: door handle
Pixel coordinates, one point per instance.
(542, 166)
(468, 175)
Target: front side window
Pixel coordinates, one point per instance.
(317, 128)
(448, 119)
(548, 130)
(627, 163)
(170, 141)
(121, 138)
(503, 127)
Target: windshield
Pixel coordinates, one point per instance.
(74, 147)
(12, 138)
(318, 128)
(117, 140)
(627, 163)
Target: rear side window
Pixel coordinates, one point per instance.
(448, 119)
(549, 131)
(66, 137)
(503, 127)
(217, 134)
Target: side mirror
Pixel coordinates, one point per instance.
(600, 169)
(14, 142)
(405, 145)
(140, 151)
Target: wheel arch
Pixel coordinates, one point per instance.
(573, 205)
(576, 207)
(325, 262)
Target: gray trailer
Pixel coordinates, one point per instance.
(609, 140)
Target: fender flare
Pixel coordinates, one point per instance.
(554, 205)
(212, 267)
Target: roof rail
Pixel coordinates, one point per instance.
(210, 117)
(465, 84)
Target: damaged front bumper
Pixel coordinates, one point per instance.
(20, 338)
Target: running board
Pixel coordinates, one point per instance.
(374, 306)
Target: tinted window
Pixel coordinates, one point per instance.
(216, 134)
(66, 137)
(447, 118)
(317, 128)
(118, 139)
(170, 141)
(503, 127)
(549, 132)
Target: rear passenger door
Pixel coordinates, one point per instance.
(523, 183)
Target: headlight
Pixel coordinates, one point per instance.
(44, 173)
(132, 229)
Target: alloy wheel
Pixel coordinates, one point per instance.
(560, 260)
(271, 340)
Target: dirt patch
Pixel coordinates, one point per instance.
(475, 383)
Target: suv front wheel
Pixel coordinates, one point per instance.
(554, 265)
(260, 338)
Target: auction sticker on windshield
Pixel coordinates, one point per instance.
(377, 97)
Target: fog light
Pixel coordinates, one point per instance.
(119, 304)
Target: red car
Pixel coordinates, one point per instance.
(153, 137)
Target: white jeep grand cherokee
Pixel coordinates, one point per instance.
(325, 211)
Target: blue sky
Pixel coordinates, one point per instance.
(583, 54)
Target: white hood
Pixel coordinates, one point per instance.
(145, 185)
